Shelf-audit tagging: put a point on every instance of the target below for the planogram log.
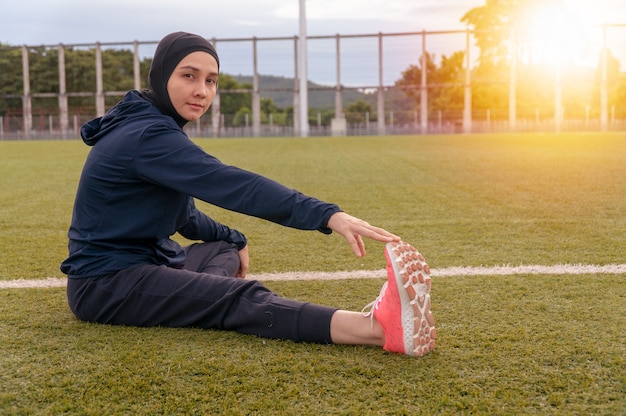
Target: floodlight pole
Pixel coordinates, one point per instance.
(302, 67)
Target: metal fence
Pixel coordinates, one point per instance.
(368, 63)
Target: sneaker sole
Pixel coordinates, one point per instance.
(412, 276)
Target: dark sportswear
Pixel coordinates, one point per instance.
(138, 187)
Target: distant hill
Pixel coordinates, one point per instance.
(280, 90)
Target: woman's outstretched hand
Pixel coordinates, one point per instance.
(353, 229)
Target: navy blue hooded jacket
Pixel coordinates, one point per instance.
(138, 187)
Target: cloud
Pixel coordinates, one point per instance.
(380, 10)
(36, 22)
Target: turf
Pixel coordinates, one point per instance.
(506, 345)
(528, 344)
(462, 200)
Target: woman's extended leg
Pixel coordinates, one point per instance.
(356, 329)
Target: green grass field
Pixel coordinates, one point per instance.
(526, 344)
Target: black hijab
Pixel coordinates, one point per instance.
(169, 52)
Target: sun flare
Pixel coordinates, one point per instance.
(556, 33)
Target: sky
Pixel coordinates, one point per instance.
(36, 22)
(46, 22)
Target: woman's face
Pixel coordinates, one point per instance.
(193, 85)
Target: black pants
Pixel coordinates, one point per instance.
(202, 294)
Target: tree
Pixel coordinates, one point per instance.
(495, 22)
(269, 108)
(11, 77)
(450, 78)
(445, 83)
(232, 99)
(613, 80)
(492, 24)
(412, 78)
(356, 112)
(242, 117)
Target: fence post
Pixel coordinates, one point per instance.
(467, 106)
(216, 109)
(424, 89)
(256, 95)
(27, 105)
(537, 116)
(440, 121)
(513, 82)
(136, 66)
(381, 91)
(296, 88)
(99, 83)
(64, 121)
(338, 125)
(604, 96)
(558, 105)
(302, 71)
(338, 101)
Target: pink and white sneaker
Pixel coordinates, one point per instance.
(403, 305)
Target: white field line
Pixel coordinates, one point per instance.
(376, 274)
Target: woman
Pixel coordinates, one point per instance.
(137, 189)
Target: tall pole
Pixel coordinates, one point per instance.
(99, 82)
(558, 100)
(604, 96)
(302, 67)
(424, 88)
(63, 103)
(256, 96)
(27, 106)
(467, 95)
(381, 89)
(338, 102)
(513, 82)
(216, 108)
(296, 88)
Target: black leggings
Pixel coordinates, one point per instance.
(202, 294)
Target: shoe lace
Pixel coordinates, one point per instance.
(373, 305)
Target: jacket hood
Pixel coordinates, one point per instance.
(131, 106)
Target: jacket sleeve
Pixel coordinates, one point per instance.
(200, 226)
(170, 159)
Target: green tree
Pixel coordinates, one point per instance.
(232, 95)
(242, 117)
(613, 78)
(449, 80)
(321, 116)
(412, 77)
(269, 107)
(490, 86)
(492, 24)
(356, 112)
(10, 78)
(445, 83)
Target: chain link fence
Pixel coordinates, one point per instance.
(578, 96)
